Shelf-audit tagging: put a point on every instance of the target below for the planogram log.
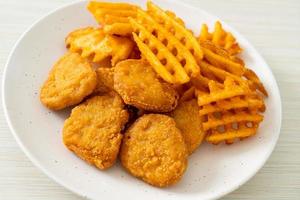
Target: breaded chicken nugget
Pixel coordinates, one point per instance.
(139, 86)
(93, 129)
(153, 149)
(70, 80)
(188, 120)
(105, 80)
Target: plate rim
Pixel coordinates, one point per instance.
(52, 176)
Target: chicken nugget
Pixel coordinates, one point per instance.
(105, 80)
(153, 149)
(188, 120)
(93, 131)
(139, 86)
(69, 82)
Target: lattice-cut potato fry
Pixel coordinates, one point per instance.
(101, 9)
(158, 55)
(228, 117)
(173, 15)
(218, 74)
(231, 111)
(220, 51)
(114, 17)
(231, 125)
(123, 29)
(95, 44)
(182, 54)
(225, 63)
(220, 38)
(185, 36)
(94, 5)
(250, 101)
(231, 134)
(254, 80)
(217, 93)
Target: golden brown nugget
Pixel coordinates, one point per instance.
(188, 120)
(105, 80)
(138, 85)
(69, 82)
(92, 131)
(153, 149)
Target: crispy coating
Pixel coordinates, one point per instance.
(139, 86)
(69, 82)
(188, 120)
(92, 131)
(105, 80)
(153, 149)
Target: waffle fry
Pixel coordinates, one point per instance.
(217, 93)
(255, 82)
(233, 103)
(220, 51)
(180, 52)
(230, 133)
(221, 63)
(113, 16)
(225, 63)
(94, 5)
(123, 29)
(158, 55)
(171, 23)
(173, 15)
(219, 74)
(220, 38)
(228, 117)
(95, 44)
(231, 111)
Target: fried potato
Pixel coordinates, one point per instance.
(153, 149)
(139, 86)
(219, 92)
(232, 125)
(212, 70)
(221, 38)
(114, 17)
(69, 82)
(164, 45)
(105, 80)
(230, 112)
(188, 120)
(92, 131)
(122, 29)
(96, 45)
(177, 28)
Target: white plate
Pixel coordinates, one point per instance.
(213, 171)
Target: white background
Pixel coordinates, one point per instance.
(273, 27)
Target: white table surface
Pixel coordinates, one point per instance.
(273, 27)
